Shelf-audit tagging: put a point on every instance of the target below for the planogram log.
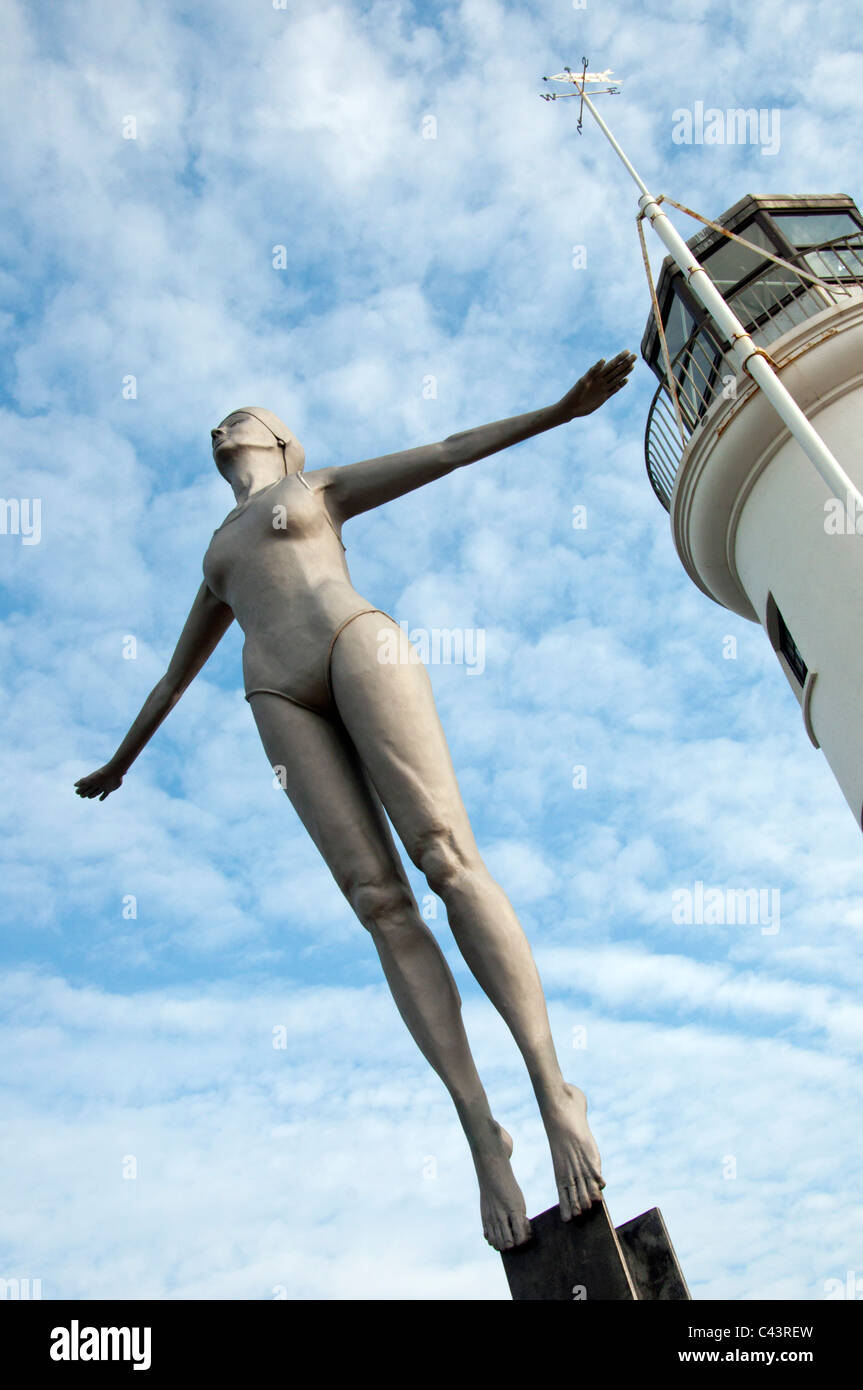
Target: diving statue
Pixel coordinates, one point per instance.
(356, 739)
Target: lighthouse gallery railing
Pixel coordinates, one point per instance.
(771, 302)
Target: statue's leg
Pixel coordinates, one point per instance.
(331, 793)
(388, 709)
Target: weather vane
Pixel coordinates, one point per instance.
(579, 80)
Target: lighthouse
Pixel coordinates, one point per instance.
(756, 526)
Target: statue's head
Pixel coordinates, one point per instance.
(254, 428)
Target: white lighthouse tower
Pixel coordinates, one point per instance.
(755, 525)
(753, 441)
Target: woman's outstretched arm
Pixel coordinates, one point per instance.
(207, 623)
(357, 487)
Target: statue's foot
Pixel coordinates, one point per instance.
(504, 1214)
(577, 1165)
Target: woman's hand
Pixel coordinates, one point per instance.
(100, 783)
(593, 390)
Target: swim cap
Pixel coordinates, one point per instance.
(276, 426)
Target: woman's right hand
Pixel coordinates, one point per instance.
(100, 783)
(592, 390)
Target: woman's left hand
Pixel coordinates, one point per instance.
(603, 379)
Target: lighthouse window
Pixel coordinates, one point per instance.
(790, 651)
(679, 326)
(835, 239)
(730, 262)
(814, 228)
(697, 373)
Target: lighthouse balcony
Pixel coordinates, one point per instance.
(818, 236)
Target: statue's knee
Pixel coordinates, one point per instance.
(444, 862)
(380, 902)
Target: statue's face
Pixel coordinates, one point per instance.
(239, 431)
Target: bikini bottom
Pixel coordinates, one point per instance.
(327, 705)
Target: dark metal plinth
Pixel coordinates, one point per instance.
(650, 1255)
(578, 1259)
(587, 1259)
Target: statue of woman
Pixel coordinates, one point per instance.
(354, 736)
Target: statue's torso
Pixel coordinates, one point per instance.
(280, 567)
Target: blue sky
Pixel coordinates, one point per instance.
(302, 1171)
